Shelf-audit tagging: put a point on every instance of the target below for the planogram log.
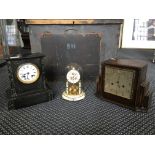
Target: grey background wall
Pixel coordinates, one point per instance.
(143, 54)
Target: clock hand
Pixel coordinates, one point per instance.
(24, 76)
(28, 75)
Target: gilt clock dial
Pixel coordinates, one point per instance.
(73, 76)
(119, 81)
(28, 73)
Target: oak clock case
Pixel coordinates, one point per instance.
(27, 81)
(73, 82)
(124, 82)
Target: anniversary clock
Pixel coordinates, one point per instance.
(27, 81)
(73, 90)
(123, 81)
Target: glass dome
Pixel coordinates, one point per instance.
(73, 91)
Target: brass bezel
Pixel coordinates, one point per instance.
(31, 81)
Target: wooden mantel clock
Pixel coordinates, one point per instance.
(28, 87)
(123, 81)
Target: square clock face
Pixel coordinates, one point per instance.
(119, 81)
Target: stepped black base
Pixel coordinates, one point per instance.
(28, 99)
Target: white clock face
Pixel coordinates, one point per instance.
(119, 81)
(28, 73)
(73, 76)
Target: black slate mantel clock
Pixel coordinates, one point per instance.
(27, 79)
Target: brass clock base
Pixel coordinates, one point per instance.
(73, 97)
